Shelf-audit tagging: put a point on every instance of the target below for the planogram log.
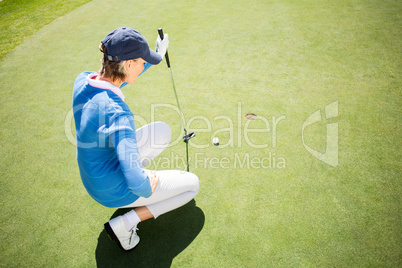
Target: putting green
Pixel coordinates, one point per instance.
(265, 199)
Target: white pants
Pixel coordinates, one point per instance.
(175, 188)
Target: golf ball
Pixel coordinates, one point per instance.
(215, 141)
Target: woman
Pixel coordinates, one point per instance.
(109, 158)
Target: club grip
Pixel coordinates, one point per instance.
(160, 31)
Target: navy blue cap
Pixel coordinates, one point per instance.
(125, 43)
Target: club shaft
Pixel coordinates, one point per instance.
(177, 99)
(160, 31)
(188, 167)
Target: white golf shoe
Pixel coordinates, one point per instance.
(117, 231)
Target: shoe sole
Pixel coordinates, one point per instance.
(113, 237)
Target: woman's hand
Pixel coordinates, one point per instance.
(153, 179)
(162, 45)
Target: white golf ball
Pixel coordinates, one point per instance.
(215, 141)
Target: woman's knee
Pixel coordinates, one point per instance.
(162, 133)
(195, 182)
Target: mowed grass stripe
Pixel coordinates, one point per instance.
(22, 18)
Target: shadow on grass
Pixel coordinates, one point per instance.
(161, 239)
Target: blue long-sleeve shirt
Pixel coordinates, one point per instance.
(107, 152)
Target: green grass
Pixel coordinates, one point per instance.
(273, 58)
(22, 18)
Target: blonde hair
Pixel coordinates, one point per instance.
(115, 70)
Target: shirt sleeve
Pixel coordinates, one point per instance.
(124, 141)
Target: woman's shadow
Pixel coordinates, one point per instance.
(161, 239)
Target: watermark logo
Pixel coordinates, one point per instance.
(264, 134)
(330, 156)
(202, 160)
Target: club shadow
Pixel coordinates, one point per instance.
(161, 239)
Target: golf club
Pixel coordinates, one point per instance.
(186, 136)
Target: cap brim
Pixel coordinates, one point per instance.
(152, 57)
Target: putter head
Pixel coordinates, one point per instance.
(188, 136)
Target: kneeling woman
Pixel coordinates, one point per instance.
(109, 158)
